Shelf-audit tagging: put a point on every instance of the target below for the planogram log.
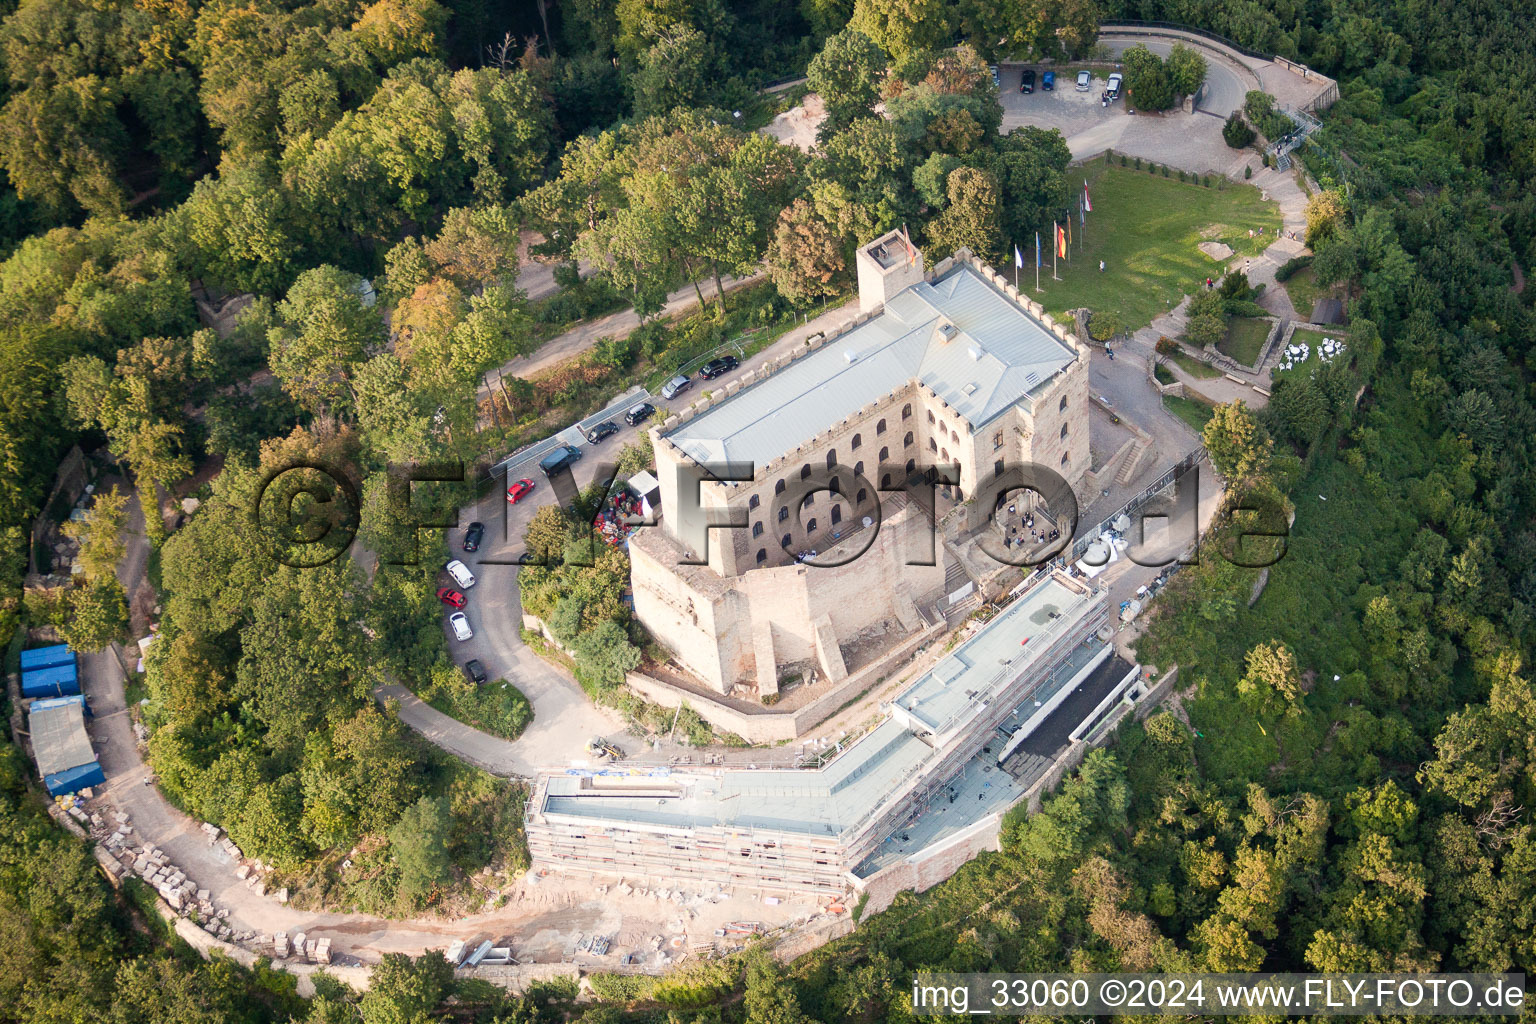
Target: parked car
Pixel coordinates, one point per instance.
(1027, 81)
(473, 536)
(460, 623)
(520, 490)
(460, 573)
(1114, 85)
(475, 671)
(1084, 80)
(676, 386)
(452, 598)
(559, 460)
(639, 414)
(715, 367)
(607, 428)
(1048, 81)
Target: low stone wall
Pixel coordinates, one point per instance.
(769, 725)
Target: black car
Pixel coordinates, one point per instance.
(715, 367)
(473, 536)
(1027, 83)
(475, 671)
(639, 414)
(607, 428)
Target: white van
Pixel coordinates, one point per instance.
(461, 574)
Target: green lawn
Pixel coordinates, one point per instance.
(1192, 366)
(1245, 337)
(1190, 411)
(1146, 228)
(1315, 340)
(1304, 292)
(496, 707)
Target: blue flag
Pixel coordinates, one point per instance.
(1037, 249)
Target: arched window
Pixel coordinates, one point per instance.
(906, 411)
(880, 427)
(885, 482)
(762, 556)
(933, 445)
(1066, 457)
(954, 438)
(944, 455)
(810, 499)
(1063, 431)
(1063, 406)
(805, 471)
(863, 495)
(837, 514)
(778, 488)
(885, 453)
(930, 415)
(837, 488)
(783, 512)
(911, 466)
(753, 502)
(858, 439)
(831, 458)
(757, 529)
(908, 441)
(810, 527)
(784, 542)
(858, 470)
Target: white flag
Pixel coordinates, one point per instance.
(1018, 257)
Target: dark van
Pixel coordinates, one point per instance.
(561, 459)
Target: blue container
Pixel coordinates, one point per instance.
(55, 681)
(47, 657)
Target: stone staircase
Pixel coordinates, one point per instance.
(1131, 460)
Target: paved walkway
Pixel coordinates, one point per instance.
(583, 336)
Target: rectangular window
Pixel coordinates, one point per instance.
(997, 440)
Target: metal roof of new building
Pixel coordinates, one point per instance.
(833, 801)
(59, 739)
(996, 356)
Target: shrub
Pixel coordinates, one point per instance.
(1163, 374)
(1288, 269)
(1103, 325)
(1205, 330)
(1138, 163)
(1166, 345)
(1236, 131)
(1183, 176)
(1165, 170)
(1247, 171)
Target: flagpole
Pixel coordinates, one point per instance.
(1055, 248)
(1037, 260)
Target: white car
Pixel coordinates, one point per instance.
(461, 574)
(460, 624)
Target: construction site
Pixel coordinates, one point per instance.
(934, 767)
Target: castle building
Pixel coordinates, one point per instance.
(948, 366)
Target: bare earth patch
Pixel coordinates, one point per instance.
(797, 126)
(1218, 251)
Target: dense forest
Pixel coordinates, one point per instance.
(363, 171)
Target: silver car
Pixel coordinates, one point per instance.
(1084, 80)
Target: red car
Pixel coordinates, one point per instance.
(520, 490)
(452, 598)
